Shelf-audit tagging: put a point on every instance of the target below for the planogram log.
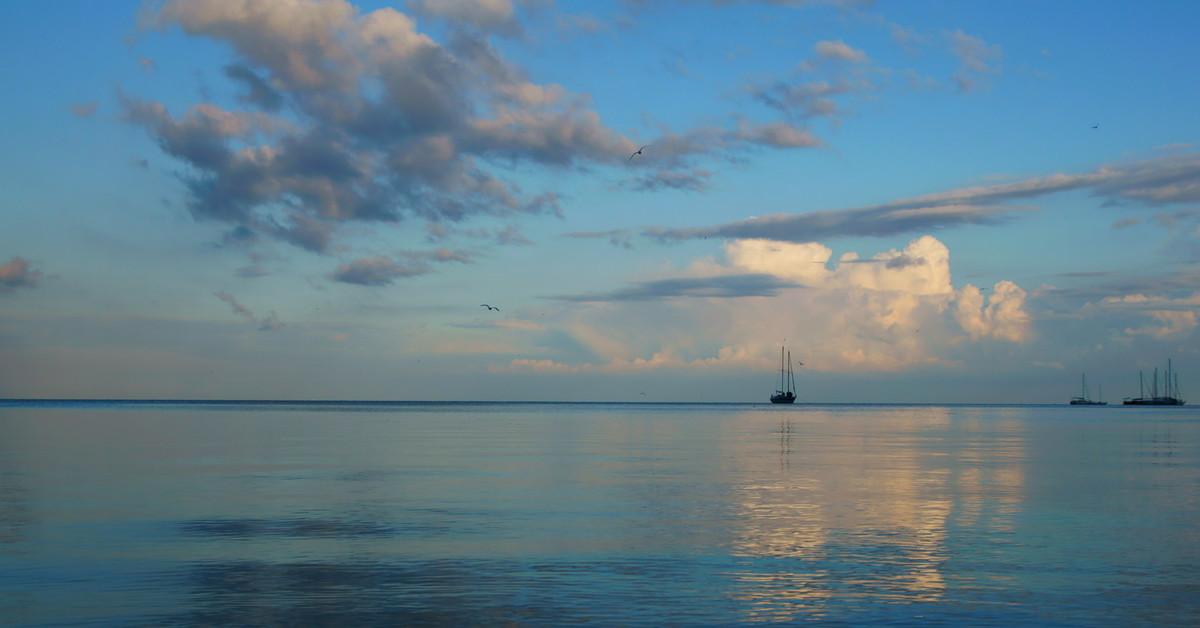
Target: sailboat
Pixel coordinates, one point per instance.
(1170, 396)
(1083, 400)
(787, 383)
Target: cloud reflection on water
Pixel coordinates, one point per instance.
(847, 508)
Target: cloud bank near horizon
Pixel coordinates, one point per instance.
(892, 311)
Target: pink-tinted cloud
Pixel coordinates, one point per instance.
(18, 273)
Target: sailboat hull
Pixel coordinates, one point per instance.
(1169, 399)
(1083, 399)
(787, 383)
(1154, 401)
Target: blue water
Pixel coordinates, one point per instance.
(341, 514)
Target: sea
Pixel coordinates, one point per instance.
(201, 513)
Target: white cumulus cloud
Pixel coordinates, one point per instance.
(894, 310)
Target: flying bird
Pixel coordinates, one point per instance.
(1096, 126)
(490, 308)
(639, 152)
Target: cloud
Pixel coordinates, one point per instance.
(978, 60)
(622, 238)
(1173, 317)
(268, 323)
(840, 4)
(814, 90)
(84, 109)
(360, 117)
(723, 287)
(18, 273)
(677, 151)
(377, 271)
(828, 83)
(840, 51)
(492, 16)
(890, 311)
(693, 181)
(347, 117)
(778, 135)
(880, 220)
(238, 308)
(1003, 316)
(258, 91)
(1167, 179)
(252, 271)
(382, 270)
(804, 100)
(583, 22)
(508, 236)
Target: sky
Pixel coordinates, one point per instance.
(923, 201)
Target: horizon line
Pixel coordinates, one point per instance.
(36, 401)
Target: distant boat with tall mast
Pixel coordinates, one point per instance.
(787, 382)
(1170, 396)
(1084, 399)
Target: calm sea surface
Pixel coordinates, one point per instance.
(260, 514)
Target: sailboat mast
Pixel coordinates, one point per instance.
(1170, 391)
(780, 369)
(791, 378)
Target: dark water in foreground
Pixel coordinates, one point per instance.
(602, 514)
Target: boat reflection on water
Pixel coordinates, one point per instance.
(867, 512)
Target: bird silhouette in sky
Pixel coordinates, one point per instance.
(1096, 126)
(639, 152)
(490, 308)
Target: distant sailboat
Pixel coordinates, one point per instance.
(787, 382)
(1083, 399)
(1170, 396)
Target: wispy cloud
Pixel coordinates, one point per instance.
(383, 270)
(1173, 317)
(693, 181)
(84, 109)
(833, 224)
(266, 323)
(18, 273)
(252, 271)
(622, 238)
(978, 60)
(820, 86)
(723, 286)
(1168, 179)
(509, 235)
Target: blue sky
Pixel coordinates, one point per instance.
(925, 201)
